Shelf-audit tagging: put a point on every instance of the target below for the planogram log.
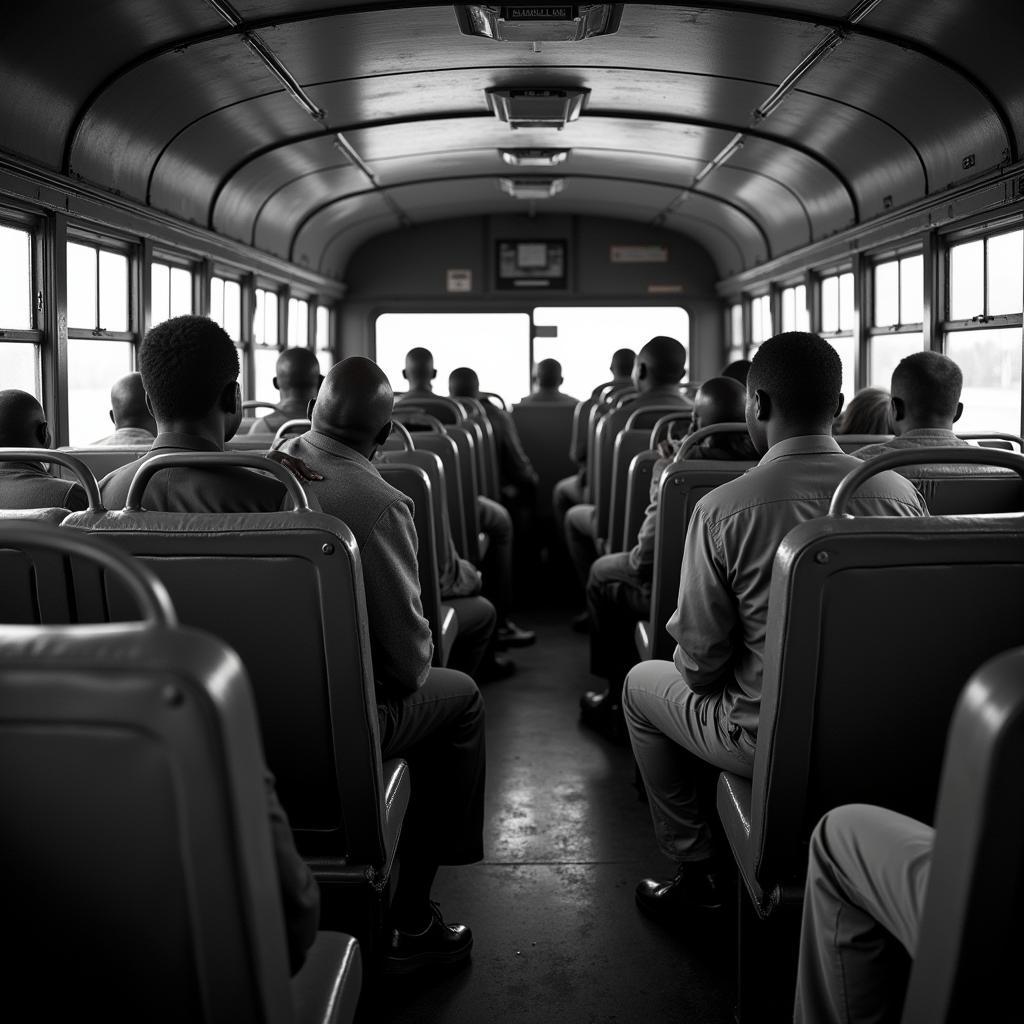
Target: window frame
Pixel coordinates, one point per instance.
(120, 247)
(35, 335)
(873, 331)
(183, 261)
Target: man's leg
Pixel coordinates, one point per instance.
(866, 882)
(476, 630)
(439, 730)
(566, 493)
(579, 538)
(496, 522)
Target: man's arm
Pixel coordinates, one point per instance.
(705, 620)
(399, 634)
(641, 558)
(518, 460)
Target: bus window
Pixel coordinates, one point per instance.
(20, 359)
(588, 336)
(496, 345)
(897, 315)
(93, 366)
(265, 350)
(172, 292)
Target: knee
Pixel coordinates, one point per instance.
(450, 684)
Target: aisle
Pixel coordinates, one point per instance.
(557, 935)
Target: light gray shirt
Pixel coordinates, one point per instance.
(736, 529)
(929, 437)
(126, 436)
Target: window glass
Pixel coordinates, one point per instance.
(82, 270)
(20, 362)
(496, 345)
(266, 368)
(15, 279)
(794, 308)
(846, 348)
(588, 337)
(760, 319)
(298, 323)
(1005, 255)
(160, 308)
(887, 293)
(181, 291)
(226, 305)
(736, 325)
(912, 289)
(93, 366)
(966, 280)
(829, 305)
(991, 364)
(886, 351)
(264, 328)
(324, 352)
(846, 302)
(113, 268)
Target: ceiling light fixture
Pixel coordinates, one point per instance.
(534, 157)
(537, 108)
(548, 23)
(531, 188)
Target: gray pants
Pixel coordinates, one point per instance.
(866, 882)
(673, 730)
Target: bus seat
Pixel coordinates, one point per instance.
(285, 590)
(638, 496)
(491, 478)
(446, 409)
(142, 885)
(466, 449)
(873, 625)
(628, 445)
(101, 459)
(413, 481)
(248, 443)
(578, 437)
(545, 431)
(977, 494)
(969, 947)
(683, 484)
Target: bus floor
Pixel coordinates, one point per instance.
(557, 936)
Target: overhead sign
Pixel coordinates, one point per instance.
(639, 254)
(664, 289)
(460, 280)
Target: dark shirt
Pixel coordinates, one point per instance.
(188, 489)
(542, 397)
(25, 485)
(232, 489)
(514, 466)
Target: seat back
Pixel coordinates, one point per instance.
(873, 624)
(466, 448)
(638, 496)
(486, 447)
(546, 431)
(290, 428)
(671, 427)
(101, 459)
(851, 442)
(949, 495)
(578, 437)
(247, 443)
(628, 445)
(445, 409)
(285, 590)
(970, 946)
(139, 879)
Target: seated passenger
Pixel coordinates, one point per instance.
(619, 585)
(621, 369)
(867, 879)
(869, 412)
(548, 379)
(25, 485)
(432, 717)
(298, 378)
(657, 373)
(133, 422)
(705, 706)
(738, 369)
(189, 371)
(926, 403)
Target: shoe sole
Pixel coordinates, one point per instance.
(416, 962)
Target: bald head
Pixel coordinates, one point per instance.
(297, 375)
(128, 404)
(464, 383)
(354, 405)
(419, 369)
(660, 363)
(719, 400)
(22, 421)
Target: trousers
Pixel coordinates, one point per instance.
(566, 493)
(439, 731)
(867, 877)
(477, 619)
(496, 523)
(616, 599)
(674, 733)
(581, 539)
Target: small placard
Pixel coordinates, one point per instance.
(460, 280)
(664, 289)
(639, 254)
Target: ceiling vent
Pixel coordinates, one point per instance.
(537, 108)
(532, 188)
(534, 157)
(541, 23)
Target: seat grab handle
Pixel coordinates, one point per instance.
(692, 440)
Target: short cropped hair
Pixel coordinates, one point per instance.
(186, 363)
(801, 373)
(929, 383)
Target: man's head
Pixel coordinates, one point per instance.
(419, 369)
(354, 405)
(548, 375)
(719, 400)
(189, 369)
(738, 370)
(128, 404)
(794, 388)
(660, 363)
(297, 375)
(926, 390)
(22, 421)
(622, 365)
(463, 383)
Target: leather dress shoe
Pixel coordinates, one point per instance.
(496, 669)
(696, 886)
(508, 634)
(440, 944)
(600, 711)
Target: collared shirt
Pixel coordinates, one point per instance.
(25, 485)
(928, 437)
(381, 520)
(272, 422)
(542, 397)
(195, 489)
(736, 529)
(126, 436)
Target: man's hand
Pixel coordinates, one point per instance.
(295, 466)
